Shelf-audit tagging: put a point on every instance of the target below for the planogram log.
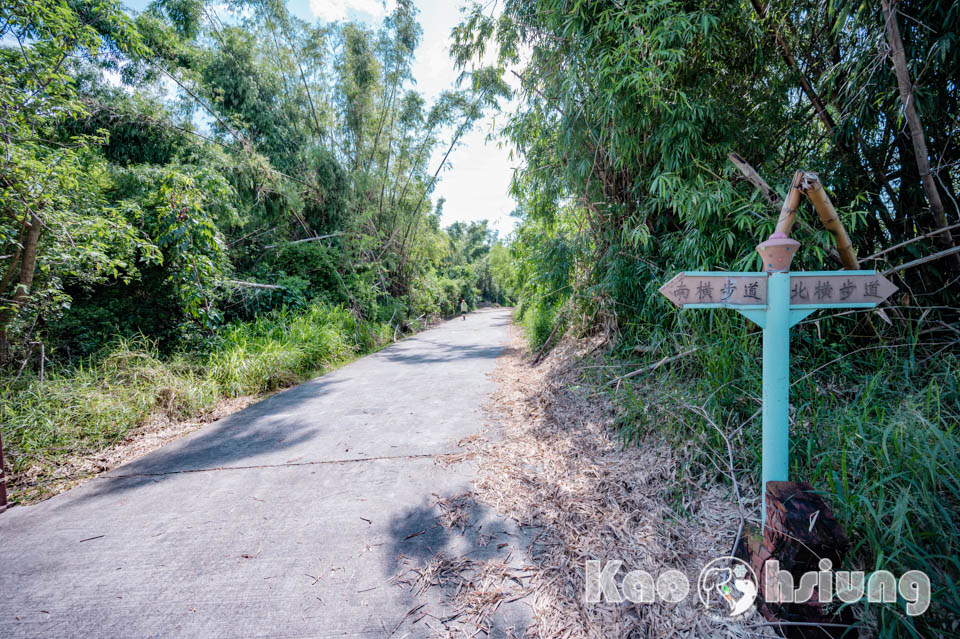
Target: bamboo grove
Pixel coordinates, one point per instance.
(660, 136)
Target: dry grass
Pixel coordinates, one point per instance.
(557, 465)
(475, 590)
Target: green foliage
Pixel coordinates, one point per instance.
(212, 202)
(56, 225)
(626, 114)
(282, 348)
(539, 321)
(625, 151)
(498, 275)
(179, 208)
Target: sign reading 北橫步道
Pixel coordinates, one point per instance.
(839, 288)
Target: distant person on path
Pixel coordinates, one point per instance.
(463, 309)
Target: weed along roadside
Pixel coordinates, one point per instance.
(74, 424)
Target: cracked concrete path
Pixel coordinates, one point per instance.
(286, 519)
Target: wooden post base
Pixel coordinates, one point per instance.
(801, 530)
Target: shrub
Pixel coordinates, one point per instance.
(540, 320)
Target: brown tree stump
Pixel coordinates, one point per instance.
(801, 530)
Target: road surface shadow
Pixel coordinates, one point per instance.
(265, 427)
(460, 566)
(440, 352)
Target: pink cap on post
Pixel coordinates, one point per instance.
(777, 252)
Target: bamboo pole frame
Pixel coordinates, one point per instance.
(812, 187)
(788, 212)
(808, 183)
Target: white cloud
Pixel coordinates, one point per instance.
(221, 9)
(476, 186)
(331, 10)
(433, 68)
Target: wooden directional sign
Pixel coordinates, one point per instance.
(775, 301)
(850, 289)
(700, 290)
(839, 288)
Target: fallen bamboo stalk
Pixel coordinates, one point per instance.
(653, 367)
(923, 260)
(540, 353)
(750, 173)
(309, 239)
(255, 285)
(805, 183)
(911, 241)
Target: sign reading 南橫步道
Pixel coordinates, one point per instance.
(717, 289)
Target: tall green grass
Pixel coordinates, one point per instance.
(874, 425)
(89, 407)
(284, 347)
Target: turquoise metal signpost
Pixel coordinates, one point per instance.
(776, 300)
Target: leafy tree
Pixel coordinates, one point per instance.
(292, 163)
(56, 225)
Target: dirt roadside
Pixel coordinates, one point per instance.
(34, 486)
(556, 463)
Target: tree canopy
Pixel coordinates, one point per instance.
(204, 162)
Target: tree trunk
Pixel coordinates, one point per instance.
(28, 263)
(913, 119)
(821, 109)
(801, 531)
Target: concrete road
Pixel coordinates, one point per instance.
(286, 519)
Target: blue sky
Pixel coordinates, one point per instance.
(476, 183)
